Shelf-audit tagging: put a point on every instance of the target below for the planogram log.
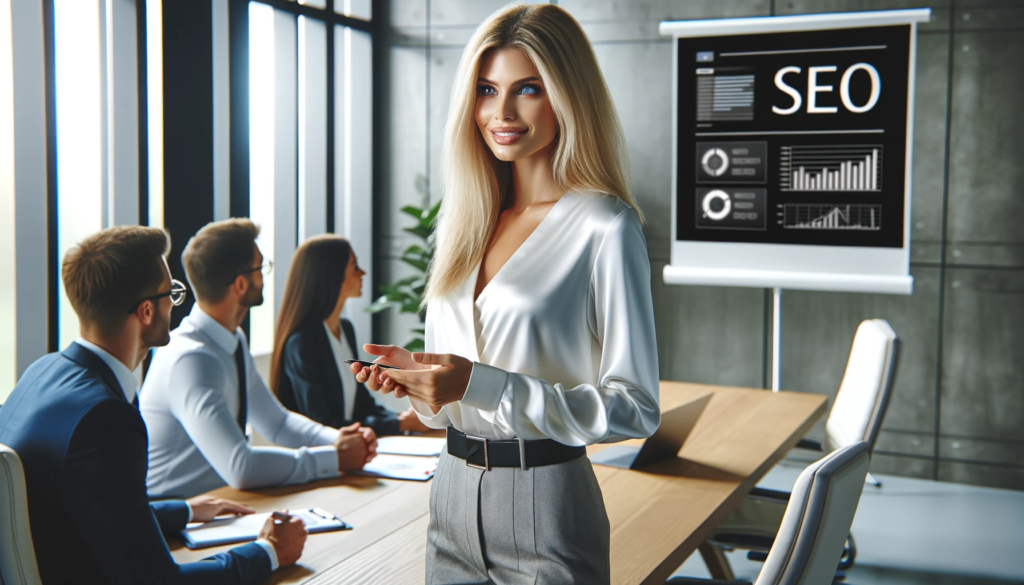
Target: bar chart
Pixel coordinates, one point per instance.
(832, 217)
(831, 168)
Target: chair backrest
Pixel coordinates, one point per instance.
(863, 396)
(817, 519)
(17, 556)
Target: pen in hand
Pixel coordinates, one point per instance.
(282, 516)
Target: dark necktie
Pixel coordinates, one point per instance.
(243, 406)
(135, 401)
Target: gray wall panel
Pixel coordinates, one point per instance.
(929, 170)
(985, 180)
(982, 370)
(444, 62)
(466, 13)
(996, 452)
(940, 9)
(635, 73)
(980, 474)
(711, 335)
(921, 444)
(818, 330)
(882, 463)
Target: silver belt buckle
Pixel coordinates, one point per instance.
(487, 461)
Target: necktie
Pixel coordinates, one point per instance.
(243, 406)
(135, 401)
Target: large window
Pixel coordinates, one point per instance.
(309, 138)
(80, 140)
(8, 312)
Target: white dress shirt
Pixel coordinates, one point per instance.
(129, 382)
(342, 352)
(190, 404)
(562, 337)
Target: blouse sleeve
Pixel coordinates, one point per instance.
(624, 402)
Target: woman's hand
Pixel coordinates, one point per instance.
(442, 382)
(375, 378)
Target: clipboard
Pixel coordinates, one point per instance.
(236, 529)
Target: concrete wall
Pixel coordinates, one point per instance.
(957, 412)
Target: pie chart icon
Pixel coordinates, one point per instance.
(716, 205)
(714, 162)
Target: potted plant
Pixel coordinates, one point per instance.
(407, 294)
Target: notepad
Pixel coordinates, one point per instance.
(401, 467)
(235, 529)
(418, 446)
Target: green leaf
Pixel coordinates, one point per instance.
(416, 345)
(414, 211)
(418, 264)
(419, 231)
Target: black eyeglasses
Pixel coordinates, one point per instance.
(266, 268)
(177, 294)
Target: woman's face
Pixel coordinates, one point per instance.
(512, 107)
(352, 288)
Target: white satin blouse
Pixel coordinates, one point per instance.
(562, 337)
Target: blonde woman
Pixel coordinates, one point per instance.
(540, 330)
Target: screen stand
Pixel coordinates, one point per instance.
(776, 337)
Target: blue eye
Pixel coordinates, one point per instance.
(529, 90)
(485, 90)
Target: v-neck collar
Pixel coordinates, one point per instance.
(557, 207)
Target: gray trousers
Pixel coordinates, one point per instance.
(543, 525)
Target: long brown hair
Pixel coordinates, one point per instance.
(310, 293)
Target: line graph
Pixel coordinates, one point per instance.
(832, 217)
(831, 168)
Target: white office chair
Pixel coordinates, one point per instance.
(817, 520)
(17, 556)
(856, 416)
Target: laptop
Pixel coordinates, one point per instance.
(665, 443)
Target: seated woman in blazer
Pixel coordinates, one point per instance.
(311, 341)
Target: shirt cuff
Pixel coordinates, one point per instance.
(326, 459)
(189, 508)
(423, 411)
(486, 386)
(267, 546)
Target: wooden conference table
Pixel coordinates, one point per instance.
(658, 517)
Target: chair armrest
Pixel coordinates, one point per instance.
(809, 444)
(769, 494)
(699, 581)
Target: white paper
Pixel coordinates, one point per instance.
(234, 529)
(419, 446)
(401, 467)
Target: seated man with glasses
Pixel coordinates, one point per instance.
(73, 419)
(203, 387)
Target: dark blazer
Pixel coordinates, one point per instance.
(84, 450)
(311, 385)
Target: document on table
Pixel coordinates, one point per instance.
(235, 529)
(420, 446)
(401, 467)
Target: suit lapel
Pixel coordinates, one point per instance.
(331, 366)
(91, 361)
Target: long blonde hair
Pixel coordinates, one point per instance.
(590, 155)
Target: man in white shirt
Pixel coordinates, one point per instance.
(203, 388)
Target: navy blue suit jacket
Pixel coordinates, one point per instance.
(84, 449)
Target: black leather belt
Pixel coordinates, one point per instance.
(487, 453)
